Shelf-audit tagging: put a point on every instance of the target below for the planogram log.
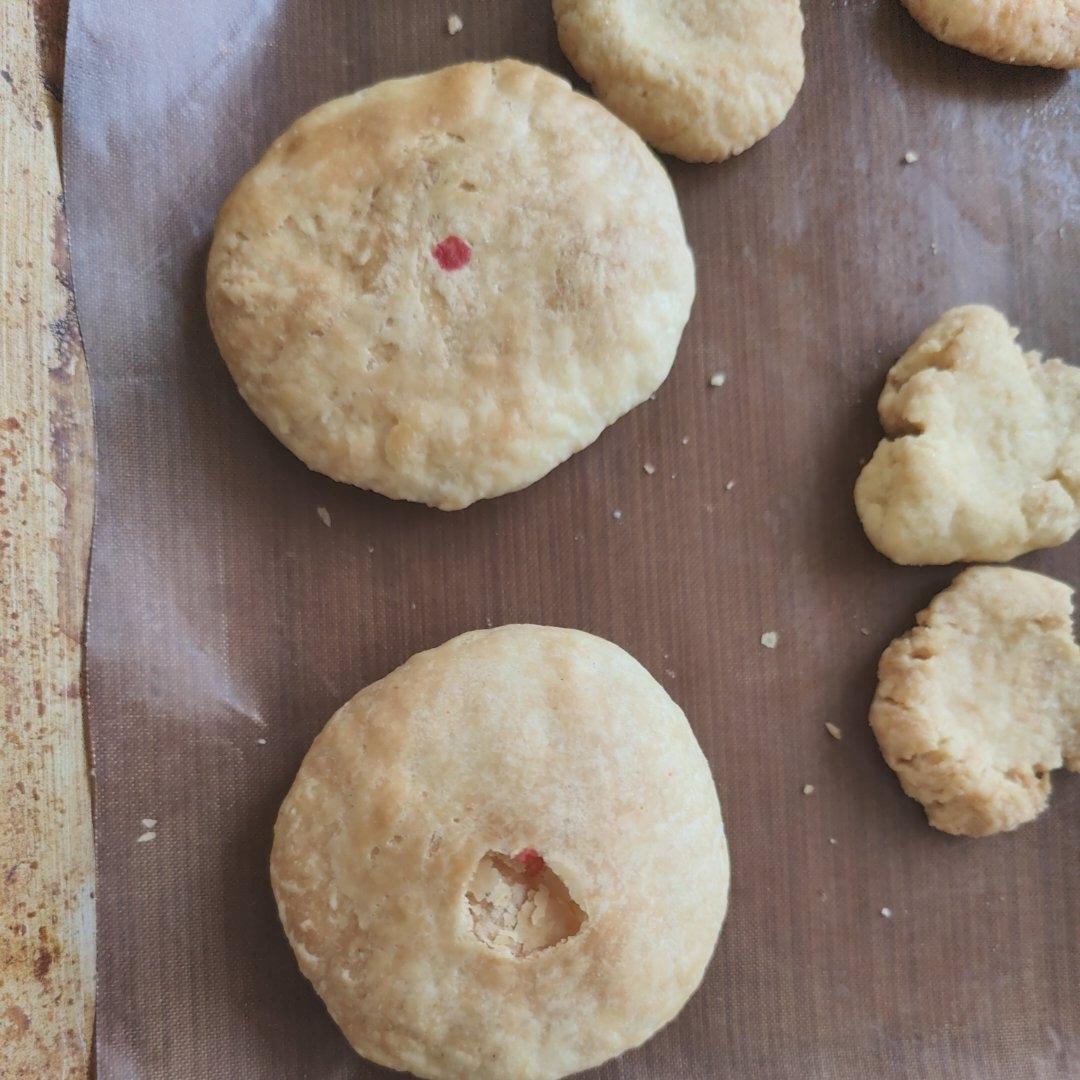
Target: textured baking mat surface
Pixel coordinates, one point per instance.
(227, 621)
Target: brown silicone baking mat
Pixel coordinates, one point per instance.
(224, 612)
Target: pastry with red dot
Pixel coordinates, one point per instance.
(441, 287)
(505, 860)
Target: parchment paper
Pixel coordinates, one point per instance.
(224, 612)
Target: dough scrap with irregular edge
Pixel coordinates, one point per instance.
(982, 457)
(441, 287)
(505, 860)
(980, 702)
(1042, 33)
(700, 79)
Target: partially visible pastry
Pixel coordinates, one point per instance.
(1043, 33)
(980, 702)
(700, 79)
(981, 460)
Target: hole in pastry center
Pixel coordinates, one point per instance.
(519, 905)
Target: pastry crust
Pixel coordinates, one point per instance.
(1045, 33)
(982, 458)
(700, 79)
(402, 851)
(441, 287)
(980, 702)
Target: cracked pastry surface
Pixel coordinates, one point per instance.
(504, 860)
(981, 462)
(980, 702)
(1044, 33)
(441, 287)
(699, 79)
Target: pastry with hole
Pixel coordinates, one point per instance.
(504, 860)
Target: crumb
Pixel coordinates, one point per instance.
(770, 639)
(718, 379)
(649, 468)
(832, 839)
(260, 742)
(144, 837)
(886, 913)
(933, 247)
(673, 475)
(370, 550)
(669, 672)
(324, 515)
(834, 731)
(729, 486)
(454, 25)
(808, 789)
(685, 440)
(864, 631)
(617, 515)
(910, 157)
(149, 822)
(708, 508)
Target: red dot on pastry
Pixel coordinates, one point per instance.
(452, 253)
(531, 860)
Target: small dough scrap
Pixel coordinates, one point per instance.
(982, 459)
(1043, 33)
(441, 287)
(505, 860)
(980, 702)
(700, 79)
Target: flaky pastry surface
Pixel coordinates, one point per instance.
(1044, 33)
(982, 457)
(699, 79)
(441, 287)
(504, 860)
(980, 702)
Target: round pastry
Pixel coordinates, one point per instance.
(1043, 33)
(504, 860)
(700, 79)
(441, 287)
